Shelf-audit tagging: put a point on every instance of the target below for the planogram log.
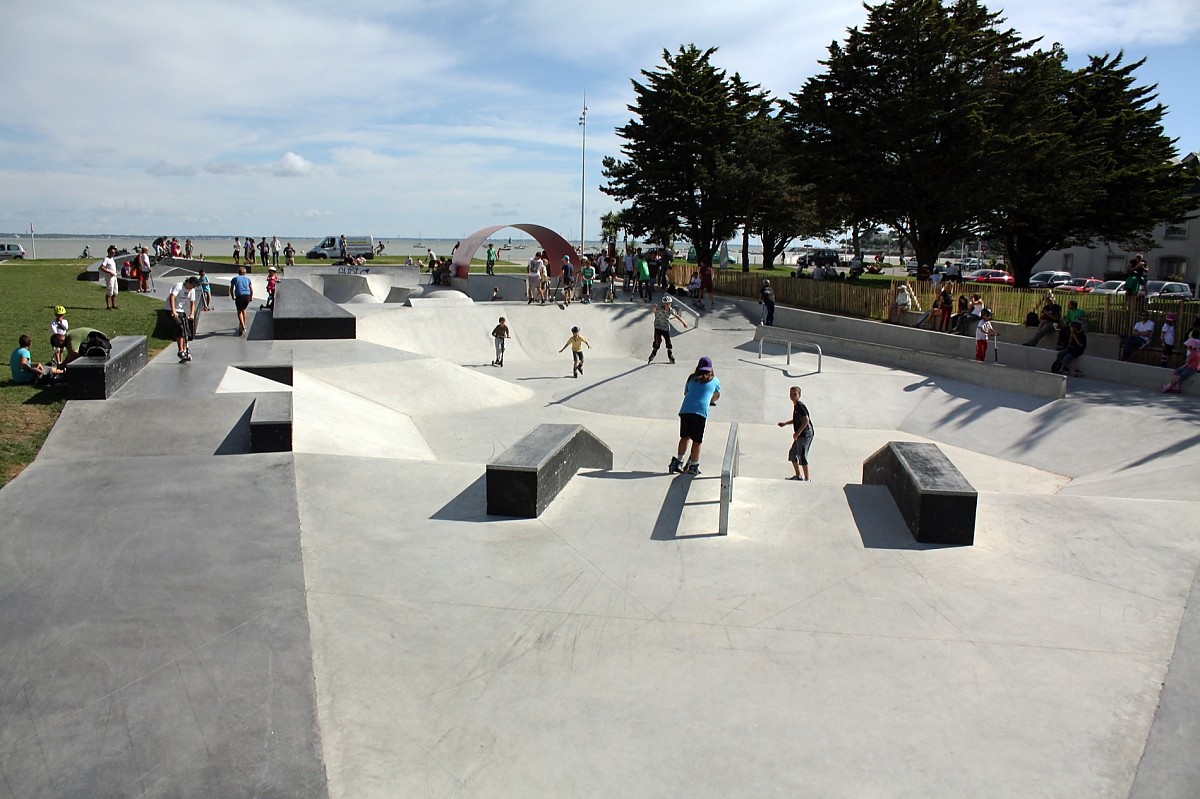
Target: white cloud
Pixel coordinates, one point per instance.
(291, 166)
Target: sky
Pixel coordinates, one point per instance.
(411, 118)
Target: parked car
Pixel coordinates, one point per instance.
(1168, 290)
(1049, 280)
(14, 251)
(1081, 284)
(989, 276)
(820, 258)
(1110, 287)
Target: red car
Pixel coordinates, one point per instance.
(990, 276)
(1080, 284)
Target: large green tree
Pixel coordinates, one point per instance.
(896, 129)
(1081, 158)
(679, 145)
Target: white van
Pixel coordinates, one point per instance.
(11, 251)
(355, 246)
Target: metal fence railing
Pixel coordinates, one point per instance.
(729, 470)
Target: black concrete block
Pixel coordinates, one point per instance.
(301, 312)
(271, 423)
(936, 501)
(90, 378)
(527, 476)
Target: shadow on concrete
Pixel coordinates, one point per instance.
(237, 442)
(878, 521)
(621, 475)
(591, 386)
(666, 526)
(781, 369)
(262, 327)
(470, 505)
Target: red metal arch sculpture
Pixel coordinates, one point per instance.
(554, 245)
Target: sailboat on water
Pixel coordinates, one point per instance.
(507, 246)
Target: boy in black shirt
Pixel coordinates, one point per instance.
(802, 434)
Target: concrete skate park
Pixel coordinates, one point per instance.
(186, 617)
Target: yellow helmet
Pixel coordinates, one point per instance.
(59, 310)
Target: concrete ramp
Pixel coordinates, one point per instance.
(461, 331)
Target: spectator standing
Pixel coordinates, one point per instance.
(1167, 337)
(802, 435)
(251, 249)
(700, 392)
(706, 285)
(187, 249)
(237, 251)
(662, 327)
(983, 332)
(630, 265)
(533, 277)
(264, 250)
(643, 277)
(500, 335)
(491, 259)
(1135, 283)
(342, 250)
(276, 248)
(108, 272)
(567, 278)
(587, 277)
(289, 255)
(144, 274)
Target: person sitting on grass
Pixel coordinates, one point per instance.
(25, 371)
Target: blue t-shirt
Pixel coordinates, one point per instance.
(19, 375)
(697, 395)
(241, 285)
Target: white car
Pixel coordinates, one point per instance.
(14, 251)
(1110, 287)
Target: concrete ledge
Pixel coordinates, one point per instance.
(527, 476)
(91, 378)
(271, 423)
(936, 501)
(303, 313)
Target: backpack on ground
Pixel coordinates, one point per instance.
(96, 345)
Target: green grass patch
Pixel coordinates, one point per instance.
(28, 293)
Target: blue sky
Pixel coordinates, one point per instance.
(407, 118)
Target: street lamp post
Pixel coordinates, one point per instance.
(582, 172)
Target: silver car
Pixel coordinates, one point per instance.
(14, 251)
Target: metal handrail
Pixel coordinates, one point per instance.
(684, 306)
(729, 470)
(789, 343)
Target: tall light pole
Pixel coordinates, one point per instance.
(582, 172)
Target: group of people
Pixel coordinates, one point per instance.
(267, 252)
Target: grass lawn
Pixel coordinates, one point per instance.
(29, 290)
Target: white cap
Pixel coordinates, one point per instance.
(667, 299)
(272, 269)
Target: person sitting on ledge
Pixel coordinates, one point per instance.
(1048, 319)
(1143, 331)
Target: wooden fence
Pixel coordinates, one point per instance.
(1106, 313)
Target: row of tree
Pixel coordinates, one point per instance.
(932, 119)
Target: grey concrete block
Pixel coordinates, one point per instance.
(271, 423)
(936, 501)
(527, 476)
(303, 313)
(90, 378)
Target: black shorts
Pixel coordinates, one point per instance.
(691, 425)
(241, 301)
(183, 326)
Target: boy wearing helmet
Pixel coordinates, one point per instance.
(663, 313)
(59, 327)
(576, 342)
